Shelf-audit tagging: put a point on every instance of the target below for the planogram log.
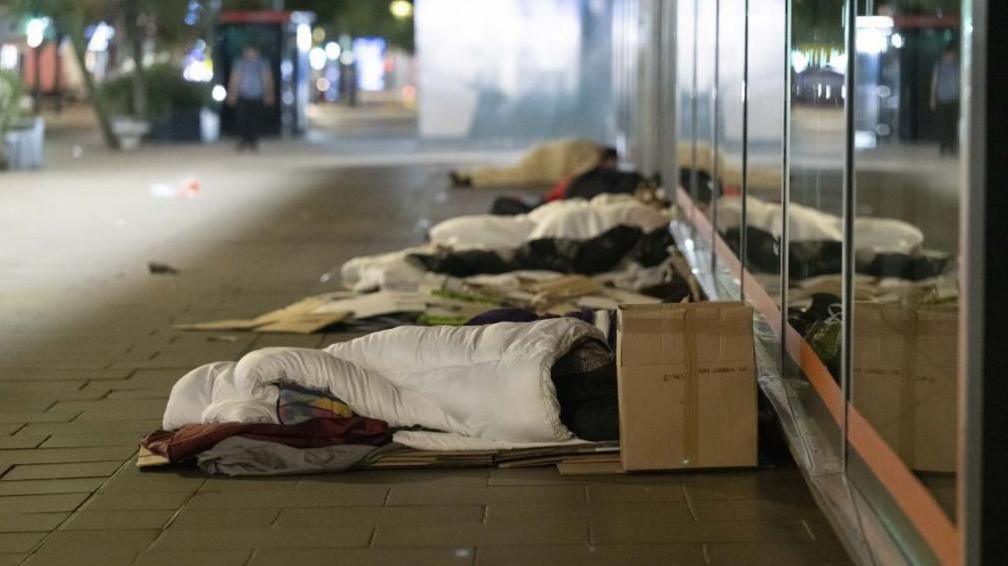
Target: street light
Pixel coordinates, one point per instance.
(401, 9)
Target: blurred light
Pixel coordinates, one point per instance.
(865, 139)
(8, 56)
(35, 31)
(799, 61)
(100, 37)
(369, 53)
(838, 62)
(198, 71)
(871, 41)
(219, 93)
(332, 50)
(288, 98)
(286, 68)
(408, 93)
(347, 58)
(323, 84)
(401, 9)
(318, 35)
(304, 40)
(317, 58)
(897, 40)
(876, 22)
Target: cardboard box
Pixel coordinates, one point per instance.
(687, 386)
(905, 380)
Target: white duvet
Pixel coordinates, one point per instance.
(574, 219)
(481, 386)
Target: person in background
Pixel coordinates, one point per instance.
(945, 100)
(250, 91)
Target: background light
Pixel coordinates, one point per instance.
(401, 9)
(35, 31)
(8, 56)
(318, 35)
(219, 93)
(100, 37)
(317, 58)
(304, 39)
(332, 50)
(323, 84)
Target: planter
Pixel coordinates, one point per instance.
(24, 142)
(129, 131)
(189, 125)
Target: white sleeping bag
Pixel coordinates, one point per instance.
(489, 384)
(574, 219)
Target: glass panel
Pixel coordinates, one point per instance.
(764, 146)
(905, 318)
(728, 131)
(685, 110)
(814, 215)
(706, 65)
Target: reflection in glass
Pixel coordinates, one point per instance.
(905, 321)
(814, 227)
(728, 120)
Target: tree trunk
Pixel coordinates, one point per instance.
(134, 35)
(96, 97)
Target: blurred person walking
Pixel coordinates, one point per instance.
(250, 91)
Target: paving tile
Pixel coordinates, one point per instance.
(197, 558)
(456, 556)
(752, 509)
(346, 496)
(634, 493)
(91, 440)
(49, 503)
(476, 477)
(441, 495)
(529, 476)
(138, 426)
(589, 555)
(462, 534)
(762, 484)
(137, 500)
(230, 518)
(653, 512)
(9, 417)
(224, 539)
(781, 554)
(132, 479)
(94, 556)
(10, 428)
(10, 404)
(121, 520)
(250, 484)
(11, 559)
(37, 487)
(91, 540)
(67, 455)
(159, 393)
(55, 471)
(383, 516)
(604, 532)
(30, 522)
(8, 375)
(22, 441)
(19, 542)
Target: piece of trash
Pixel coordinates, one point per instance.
(186, 188)
(157, 268)
(222, 338)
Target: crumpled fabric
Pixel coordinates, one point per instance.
(241, 456)
(599, 181)
(575, 219)
(191, 439)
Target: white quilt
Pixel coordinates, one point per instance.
(482, 386)
(574, 219)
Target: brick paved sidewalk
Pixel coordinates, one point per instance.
(88, 357)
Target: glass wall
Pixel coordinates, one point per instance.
(820, 138)
(906, 234)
